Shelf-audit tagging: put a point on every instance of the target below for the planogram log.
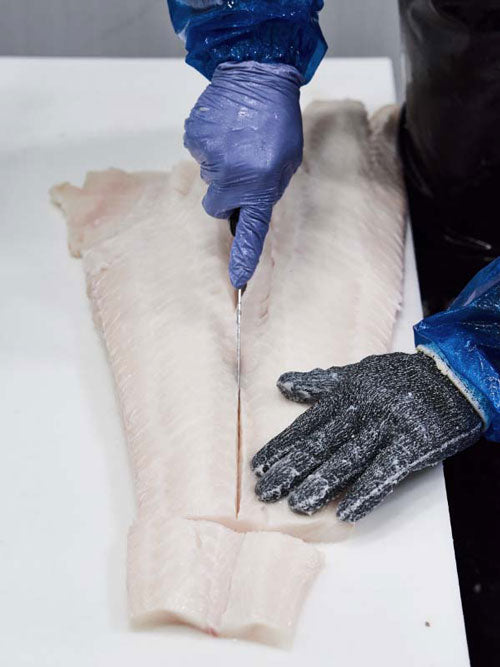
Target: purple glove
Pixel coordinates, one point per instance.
(246, 133)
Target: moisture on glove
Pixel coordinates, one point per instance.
(372, 423)
(246, 133)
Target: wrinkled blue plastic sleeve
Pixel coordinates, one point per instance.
(267, 31)
(467, 338)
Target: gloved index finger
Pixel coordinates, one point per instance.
(306, 456)
(251, 231)
(304, 425)
(345, 463)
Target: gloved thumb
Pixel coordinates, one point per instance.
(253, 225)
(309, 387)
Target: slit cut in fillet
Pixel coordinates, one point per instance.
(326, 292)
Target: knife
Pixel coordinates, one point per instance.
(233, 223)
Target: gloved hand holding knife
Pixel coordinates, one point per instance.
(246, 133)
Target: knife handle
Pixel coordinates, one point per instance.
(234, 218)
(233, 221)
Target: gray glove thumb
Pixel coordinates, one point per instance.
(309, 387)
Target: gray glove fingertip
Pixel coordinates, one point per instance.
(293, 468)
(355, 507)
(289, 471)
(307, 387)
(368, 492)
(311, 495)
(281, 444)
(333, 477)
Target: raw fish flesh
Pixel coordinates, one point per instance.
(169, 335)
(168, 332)
(227, 583)
(329, 285)
(326, 291)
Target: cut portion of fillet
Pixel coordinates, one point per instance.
(328, 287)
(225, 583)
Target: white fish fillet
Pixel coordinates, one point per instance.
(326, 291)
(329, 286)
(168, 333)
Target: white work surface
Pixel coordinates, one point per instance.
(388, 597)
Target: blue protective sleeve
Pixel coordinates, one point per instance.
(267, 31)
(467, 338)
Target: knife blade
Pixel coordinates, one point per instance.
(238, 339)
(233, 223)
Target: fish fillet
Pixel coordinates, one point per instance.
(170, 341)
(326, 291)
(328, 288)
(168, 332)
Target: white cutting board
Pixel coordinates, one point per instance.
(389, 597)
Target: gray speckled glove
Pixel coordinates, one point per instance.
(372, 424)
